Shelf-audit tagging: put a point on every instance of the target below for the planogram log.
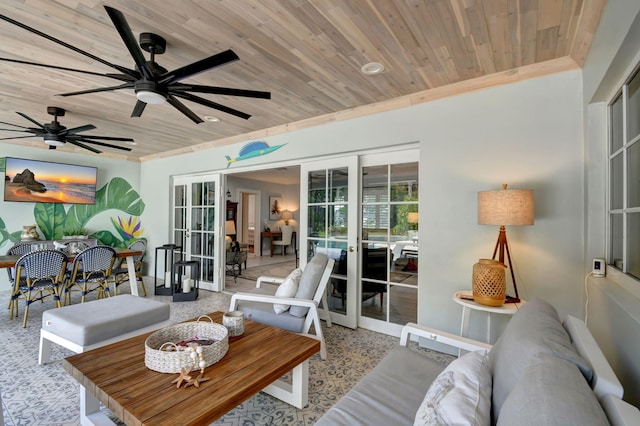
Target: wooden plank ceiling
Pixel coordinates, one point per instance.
(307, 53)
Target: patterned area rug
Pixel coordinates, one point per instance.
(47, 395)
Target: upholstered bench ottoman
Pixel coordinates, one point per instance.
(89, 325)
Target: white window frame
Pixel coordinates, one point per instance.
(620, 271)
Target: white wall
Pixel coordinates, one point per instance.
(614, 301)
(16, 215)
(526, 134)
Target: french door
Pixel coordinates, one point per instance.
(197, 217)
(328, 207)
(389, 243)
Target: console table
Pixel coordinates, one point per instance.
(275, 234)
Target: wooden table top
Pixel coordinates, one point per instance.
(9, 261)
(117, 376)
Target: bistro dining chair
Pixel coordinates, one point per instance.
(39, 274)
(91, 271)
(17, 249)
(120, 273)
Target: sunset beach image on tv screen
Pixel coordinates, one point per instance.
(47, 182)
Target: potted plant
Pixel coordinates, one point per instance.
(75, 234)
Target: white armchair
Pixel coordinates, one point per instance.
(304, 308)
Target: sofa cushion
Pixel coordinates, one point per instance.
(389, 395)
(534, 329)
(287, 288)
(551, 392)
(309, 282)
(460, 395)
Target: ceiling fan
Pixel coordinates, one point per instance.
(152, 83)
(54, 134)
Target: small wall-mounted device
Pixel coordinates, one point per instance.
(598, 268)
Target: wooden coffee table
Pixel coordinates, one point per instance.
(117, 376)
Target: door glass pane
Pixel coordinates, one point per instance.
(338, 285)
(339, 185)
(338, 221)
(317, 217)
(616, 240)
(406, 297)
(179, 198)
(616, 182)
(633, 109)
(317, 186)
(196, 194)
(209, 193)
(404, 182)
(616, 125)
(633, 171)
(374, 183)
(633, 245)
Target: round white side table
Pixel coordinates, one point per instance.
(465, 298)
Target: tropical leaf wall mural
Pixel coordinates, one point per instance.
(54, 221)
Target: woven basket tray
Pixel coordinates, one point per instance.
(164, 361)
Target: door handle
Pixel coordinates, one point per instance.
(351, 249)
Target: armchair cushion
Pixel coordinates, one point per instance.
(263, 313)
(288, 288)
(461, 394)
(309, 282)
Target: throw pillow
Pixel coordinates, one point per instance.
(288, 288)
(460, 395)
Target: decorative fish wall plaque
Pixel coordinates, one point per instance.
(252, 150)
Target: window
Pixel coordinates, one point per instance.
(624, 178)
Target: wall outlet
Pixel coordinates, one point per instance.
(598, 268)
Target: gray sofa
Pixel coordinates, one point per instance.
(541, 371)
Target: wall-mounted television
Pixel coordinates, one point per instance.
(47, 182)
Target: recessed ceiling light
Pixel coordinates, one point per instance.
(372, 68)
(211, 118)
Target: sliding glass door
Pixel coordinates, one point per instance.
(389, 245)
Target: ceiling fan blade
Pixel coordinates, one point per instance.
(79, 129)
(138, 108)
(81, 145)
(220, 91)
(198, 67)
(183, 109)
(11, 124)
(123, 28)
(68, 46)
(99, 89)
(18, 137)
(32, 120)
(82, 139)
(116, 76)
(206, 102)
(107, 138)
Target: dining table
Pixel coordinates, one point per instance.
(9, 261)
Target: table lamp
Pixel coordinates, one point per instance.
(286, 215)
(506, 207)
(229, 229)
